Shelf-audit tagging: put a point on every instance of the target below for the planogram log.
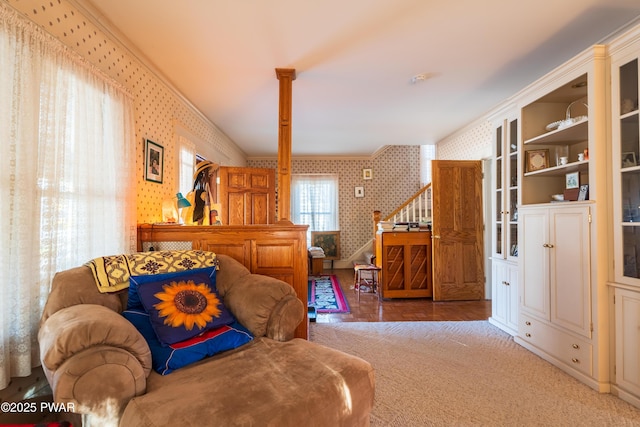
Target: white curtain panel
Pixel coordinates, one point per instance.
(314, 201)
(67, 164)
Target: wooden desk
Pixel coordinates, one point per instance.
(274, 250)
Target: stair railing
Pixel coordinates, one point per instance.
(416, 209)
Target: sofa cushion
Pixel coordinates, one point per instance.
(182, 308)
(264, 383)
(135, 281)
(166, 359)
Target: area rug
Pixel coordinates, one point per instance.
(467, 374)
(326, 296)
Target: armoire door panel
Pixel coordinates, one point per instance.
(236, 209)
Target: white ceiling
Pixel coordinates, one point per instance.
(355, 60)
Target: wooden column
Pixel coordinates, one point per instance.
(286, 76)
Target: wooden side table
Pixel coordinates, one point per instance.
(316, 265)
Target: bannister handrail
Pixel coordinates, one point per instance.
(410, 200)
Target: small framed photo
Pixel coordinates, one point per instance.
(154, 161)
(536, 160)
(359, 191)
(367, 173)
(584, 192)
(572, 180)
(629, 159)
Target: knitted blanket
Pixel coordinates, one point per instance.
(112, 272)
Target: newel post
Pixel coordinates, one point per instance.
(376, 219)
(286, 76)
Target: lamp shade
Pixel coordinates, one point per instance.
(182, 202)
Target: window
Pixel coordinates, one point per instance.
(186, 164)
(314, 201)
(67, 183)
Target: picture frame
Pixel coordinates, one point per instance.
(359, 191)
(367, 173)
(629, 159)
(329, 241)
(584, 192)
(536, 160)
(154, 161)
(572, 180)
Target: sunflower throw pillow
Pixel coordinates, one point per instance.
(136, 281)
(183, 307)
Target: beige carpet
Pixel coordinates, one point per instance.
(467, 374)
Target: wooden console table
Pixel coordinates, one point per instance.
(274, 250)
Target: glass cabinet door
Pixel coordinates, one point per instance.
(498, 194)
(512, 196)
(505, 221)
(626, 160)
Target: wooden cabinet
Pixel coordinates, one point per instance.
(627, 367)
(247, 195)
(278, 251)
(405, 260)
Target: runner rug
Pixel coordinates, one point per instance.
(326, 296)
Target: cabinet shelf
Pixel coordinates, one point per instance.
(561, 170)
(575, 133)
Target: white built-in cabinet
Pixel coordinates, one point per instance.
(504, 257)
(627, 335)
(562, 245)
(625, 287)
(555, 312)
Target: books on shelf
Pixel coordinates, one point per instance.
(398, 226)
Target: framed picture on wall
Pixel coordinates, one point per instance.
(359, 191)
(154, 161)
(367, 173)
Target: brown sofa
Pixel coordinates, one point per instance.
(93, 357)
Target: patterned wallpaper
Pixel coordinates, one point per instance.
(160, 110)
(471, 143)
(396, 177)
(158, 107)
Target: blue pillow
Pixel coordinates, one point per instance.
(135, 281)
(183, 307)
(166, 359)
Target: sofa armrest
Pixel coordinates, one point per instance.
(91, 355)
(266, 306)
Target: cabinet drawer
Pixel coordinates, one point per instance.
(574, 352)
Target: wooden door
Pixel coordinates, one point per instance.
(458, 248)
(247, 195)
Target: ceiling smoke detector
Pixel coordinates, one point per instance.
(421, 77)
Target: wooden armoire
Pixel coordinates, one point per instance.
(247, 195)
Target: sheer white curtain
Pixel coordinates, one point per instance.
(314, 201)
(187, 162)
(67, 164)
